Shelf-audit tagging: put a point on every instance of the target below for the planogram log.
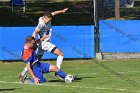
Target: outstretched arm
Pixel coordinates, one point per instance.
(59, 11)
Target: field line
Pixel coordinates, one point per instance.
(82, 87)
(129, 72)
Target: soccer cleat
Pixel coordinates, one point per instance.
(23, 79)
(75, 77)
(28, 80)
(58, 77)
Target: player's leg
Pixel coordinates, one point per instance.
(60, 74)
(47, 46)
(21, 75)
(51, 68)
(41, 68)
(24, 71)
(38, 71)
(59, 61)
(60, 57)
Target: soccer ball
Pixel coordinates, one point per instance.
(69, 78)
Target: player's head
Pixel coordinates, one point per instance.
(30, 41)
(47, 16)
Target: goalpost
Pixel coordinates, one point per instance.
(96, 27)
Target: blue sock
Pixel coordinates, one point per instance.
(61, 74)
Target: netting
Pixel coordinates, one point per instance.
(129, 9)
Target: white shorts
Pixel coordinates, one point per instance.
(45, 46)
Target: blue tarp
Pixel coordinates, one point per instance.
(16, 2)
(74, 41)
(120, 35)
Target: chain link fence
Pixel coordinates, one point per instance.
(81, 11)
(129, 9)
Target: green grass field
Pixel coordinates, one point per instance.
(103, 77)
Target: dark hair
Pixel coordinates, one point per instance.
(48, 14)
(29, 39)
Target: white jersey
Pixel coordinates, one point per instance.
(44, 29)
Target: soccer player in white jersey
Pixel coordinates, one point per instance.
(44, 28)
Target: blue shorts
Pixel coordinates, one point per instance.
(39, 69)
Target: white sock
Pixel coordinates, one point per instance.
(59, 61)
(24, 71)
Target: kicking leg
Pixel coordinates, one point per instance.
(59, 72)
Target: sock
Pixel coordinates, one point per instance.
(24, 71)
(59, 61)
(61, 74)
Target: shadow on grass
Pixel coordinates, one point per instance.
(77, 80)
(9, 89)
(55, 81)
(80, 78)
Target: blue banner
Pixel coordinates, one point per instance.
(74, 41)
(120, 35)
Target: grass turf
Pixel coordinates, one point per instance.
(104, 77)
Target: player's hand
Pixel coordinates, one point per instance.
(65, 10)
(47, 36)
(36, 80)
(44, 37)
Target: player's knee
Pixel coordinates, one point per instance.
(54, 68)
(61, 54)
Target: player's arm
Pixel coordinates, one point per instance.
(59, 11)
(36, 80)
(35, 32)
(37, 29)
(41, 39)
